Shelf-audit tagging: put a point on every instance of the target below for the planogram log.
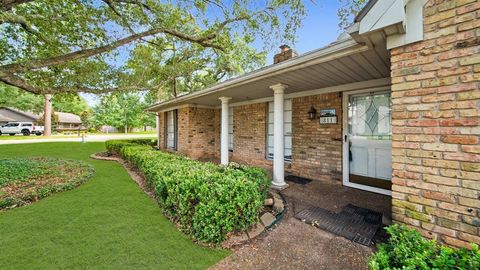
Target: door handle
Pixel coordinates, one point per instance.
(345, 138)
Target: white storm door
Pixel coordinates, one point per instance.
(368, 142)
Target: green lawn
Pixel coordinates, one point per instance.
(21, 137)
(107, 223)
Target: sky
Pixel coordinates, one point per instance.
(318, 30)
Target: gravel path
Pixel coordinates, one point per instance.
(297, 245)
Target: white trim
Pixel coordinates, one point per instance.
(371, 85)
(345, 154)
(158, 128)
(328, 53)
(368, 188)
(190, 105)
(383, 14)
(413, 25)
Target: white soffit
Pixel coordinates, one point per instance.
(400, 20)
(413, 25)
(383, 14)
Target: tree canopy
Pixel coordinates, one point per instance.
(25, 101)
(97, 46)
(123, 110)
(348, 9)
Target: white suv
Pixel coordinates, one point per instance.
(25, 128)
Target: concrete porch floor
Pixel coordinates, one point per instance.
(297, 245)
(333, 196)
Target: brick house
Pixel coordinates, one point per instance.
(391, 107)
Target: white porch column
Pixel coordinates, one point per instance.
(278, 136)
(224, 131)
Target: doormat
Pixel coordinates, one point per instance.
(354, 223)
(297, 179)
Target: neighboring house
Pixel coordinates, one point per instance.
(15, 115)
(67, 122)
(391, 107)
(108, 129)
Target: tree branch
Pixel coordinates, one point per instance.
(57, 60)
(16, 81)
(22, 21)
(7, 5)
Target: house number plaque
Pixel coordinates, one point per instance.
(328, 116)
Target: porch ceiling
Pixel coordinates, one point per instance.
(341, 63)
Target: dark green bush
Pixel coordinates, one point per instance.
(407, 249)
(207, 201)
(115, 146)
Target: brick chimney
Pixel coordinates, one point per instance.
(285, 54)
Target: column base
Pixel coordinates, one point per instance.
(279, 187)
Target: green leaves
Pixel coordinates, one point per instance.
(25, 180)
(407, 249)
(206, 200)
(39, 38)
(122, 110)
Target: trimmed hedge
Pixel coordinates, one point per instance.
(116, 146)
(407, 249)
(207, 201)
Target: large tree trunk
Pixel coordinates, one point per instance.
(47, 116)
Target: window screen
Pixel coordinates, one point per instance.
(230, 129)
(171, 130)
(287, 126)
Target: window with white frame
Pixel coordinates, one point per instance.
(287, 129)
(171, 129)
(230, 129)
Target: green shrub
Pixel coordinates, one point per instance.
(207, 201)
(406, 249)
(115, 146)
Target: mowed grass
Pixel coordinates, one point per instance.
(106, 223)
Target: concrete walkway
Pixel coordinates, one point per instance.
(297, 245)
(88, 138)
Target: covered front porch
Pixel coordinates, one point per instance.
(301, 116)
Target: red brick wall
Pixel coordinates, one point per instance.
(436, 99)
(317, 149)
(201, 138)
(249, 134)
(197, 132)
(183, 130)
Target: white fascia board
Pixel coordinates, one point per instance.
(400, 20)
(383, 14)
(322, 55)
(413, 25)
(371, 85)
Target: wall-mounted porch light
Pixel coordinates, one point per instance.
(312, 113)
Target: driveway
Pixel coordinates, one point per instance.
(88, 138)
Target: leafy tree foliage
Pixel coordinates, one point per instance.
(348, 9)
(123, 110)
(19, 99)
(25, 101)
(59, 46)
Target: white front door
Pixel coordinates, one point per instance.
(368, 141)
